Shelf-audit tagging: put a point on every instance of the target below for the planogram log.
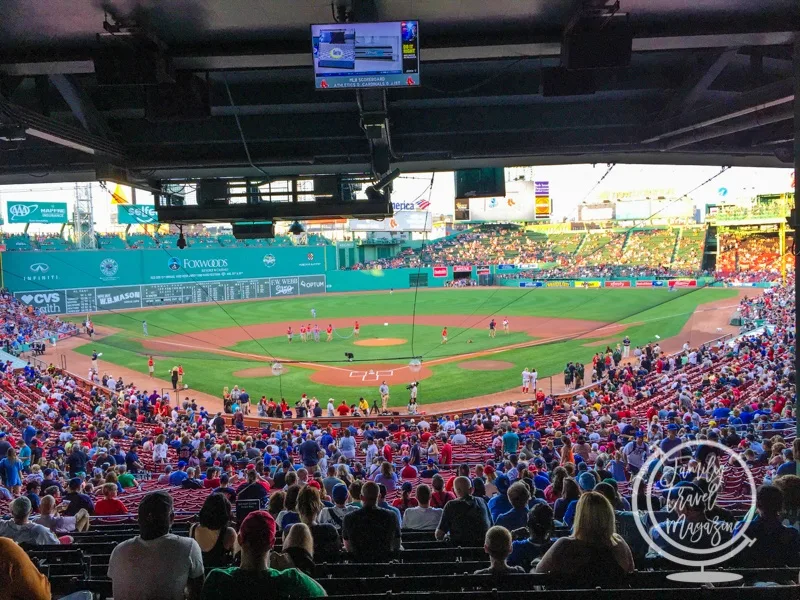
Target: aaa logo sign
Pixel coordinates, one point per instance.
(37, 212)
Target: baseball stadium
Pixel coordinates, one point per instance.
(382, 300)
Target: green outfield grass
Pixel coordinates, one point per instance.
(649, 312)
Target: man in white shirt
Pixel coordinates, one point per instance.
(331, 408)
(335, 514)
(422, 517)
(458, 439)
(156, 563)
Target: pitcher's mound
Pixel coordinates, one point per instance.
(381, 342)
(486, 365)
(257, 372)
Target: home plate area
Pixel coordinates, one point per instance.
(371, 375)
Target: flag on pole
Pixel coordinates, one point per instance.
(120, 195)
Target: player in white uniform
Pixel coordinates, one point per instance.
(526, 380)
(505, 325)
(534, 377)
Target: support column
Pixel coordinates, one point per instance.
(796, 235)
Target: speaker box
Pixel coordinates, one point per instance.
(131, 64)
(598, 43)
(212, 192)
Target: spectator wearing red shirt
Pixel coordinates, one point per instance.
(408, 471)
(212, 479)
(109, 505)
(343, 409)
(446, 453)
(386, 450)
(439, 497)
(405, 501)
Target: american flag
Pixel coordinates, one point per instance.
(422, 204)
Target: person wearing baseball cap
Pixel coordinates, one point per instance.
(253, 577)
(156, 563)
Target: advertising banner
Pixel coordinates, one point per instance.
(532, 266)
(440, 271)
(312, 284)
(113, 298)
(517, 205)
(506, 267)
(50, 302)
(644, 283)
(588, 284)
(528, 284)
(402, 220)
(484, 270)
(462, 268)
(659, 283)
(36, 212)
(284, 286)
(543, 205)
(618, 284)
(130, 214)
(682, 283)
(558, 284)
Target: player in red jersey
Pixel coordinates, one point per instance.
(302, 333)
(289, 334)
(329, 331)
(444, 335)
(356, 329)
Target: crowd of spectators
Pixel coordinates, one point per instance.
(22, 325)
(540, 486)
(754, 257)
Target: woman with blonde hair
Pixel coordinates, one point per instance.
(160, 450)
(387, 477)
(594, 551)
(567, 455)
(298, 551)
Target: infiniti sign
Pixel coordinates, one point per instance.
(40, 267)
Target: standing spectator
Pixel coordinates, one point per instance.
(11, 471)
(465, 519)
(253, 577)
(156, 563)
(371, 534)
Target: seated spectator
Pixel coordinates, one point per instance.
(540, 528)
(500, 503)
(19, 577)
(156, 563)
(250, 580)
(371, 533)
(32, 490)
(77, 501)
(252, 489)
(297, 551)
(327, 544)
(335, 514)
(23, 531)
(594, 552)
(440, 497)
(465, 519)
(387, 477)
(774, 544)
(59, 525)
(519, 495)
(212, 532)
(289, 516)
(422, 517)
(110, 505)
(126, 479)
(498, 546)
(405, 501)
(192, 481)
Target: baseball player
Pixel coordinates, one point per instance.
(492, 328)
(356, 329)
(444, 335)
(95, 355)
(534, 375)
(329, 331)
(505, 325)
(289, 334)
(151, 366)
(526, 380)
(316, 332)
(313, 313)
(302, 333)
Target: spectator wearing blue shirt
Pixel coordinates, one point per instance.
(29, 432)
(790, 466)
(383, 504)
(516, 518)
(586, 483)
(176, 477)
(309, 452)
(500, 503)
(540, 528)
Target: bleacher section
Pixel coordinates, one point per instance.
(689, 248)
(649, 247)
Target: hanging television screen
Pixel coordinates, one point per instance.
(364, 55)
(480, 183)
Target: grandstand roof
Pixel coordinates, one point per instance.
(694, 63)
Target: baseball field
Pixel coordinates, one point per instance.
(237, 343)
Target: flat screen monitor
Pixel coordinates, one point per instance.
(364, 55)
(480, 183)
